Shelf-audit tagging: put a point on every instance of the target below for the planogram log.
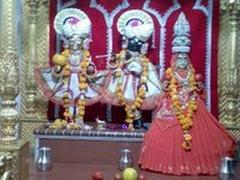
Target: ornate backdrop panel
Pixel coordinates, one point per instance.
(203, 16)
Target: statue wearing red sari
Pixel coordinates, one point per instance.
(184, 137)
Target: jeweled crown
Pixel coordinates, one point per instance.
(181, 41)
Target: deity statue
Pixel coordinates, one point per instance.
(133, 81)
(184, 137)
(73, 80)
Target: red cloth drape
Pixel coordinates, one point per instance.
(196, 18)
(162, 149)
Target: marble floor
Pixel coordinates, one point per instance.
(84, 172)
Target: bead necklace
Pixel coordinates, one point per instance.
(183, 115)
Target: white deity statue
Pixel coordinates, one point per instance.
(133, 81)
(73, 80)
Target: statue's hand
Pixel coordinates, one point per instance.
(91, 70)
(57, 71)
(199, 82)
(165, 85)
(200, 86)
(113, 62)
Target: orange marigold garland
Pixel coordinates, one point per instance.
(83, 85)
(184, 113)
(131, 108)
(66, 103)
(66, 73)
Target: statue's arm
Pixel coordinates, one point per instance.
(200, 86)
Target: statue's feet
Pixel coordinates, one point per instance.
(73, 126)
(58, 123)
(145, 126)
(82, 125)
(139, 124)
(130, 127)
(87, 127)
(101, 125)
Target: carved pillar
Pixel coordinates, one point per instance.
(229, 61)
(6, 161)
(9, 70)
(19, 154)
(31, 59)
(42, 59)
(35, 106)
(9, 89)
(35, 50)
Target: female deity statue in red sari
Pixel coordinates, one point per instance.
(184, 138)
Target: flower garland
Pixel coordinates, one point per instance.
(66, 73)
(83, 85)
(130, 108)
(184, 113)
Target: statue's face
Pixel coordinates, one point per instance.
(134, 44)
(75, 43)
(182, 61)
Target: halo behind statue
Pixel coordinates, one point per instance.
(74, 17)
(135, 23)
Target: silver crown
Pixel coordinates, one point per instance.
(181, 41)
